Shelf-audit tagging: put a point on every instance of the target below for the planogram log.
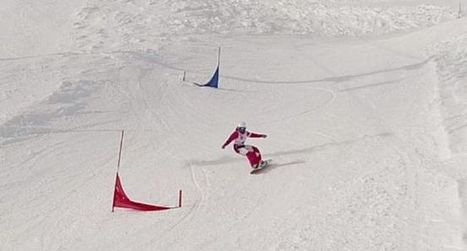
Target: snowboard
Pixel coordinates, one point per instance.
(265, 165)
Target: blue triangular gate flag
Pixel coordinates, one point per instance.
(214, 81)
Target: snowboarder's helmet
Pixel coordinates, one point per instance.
(241, 127)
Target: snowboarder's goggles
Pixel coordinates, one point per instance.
(241, 129)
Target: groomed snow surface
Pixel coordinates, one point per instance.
(364, 104)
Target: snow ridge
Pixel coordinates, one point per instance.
(451, 60)
(300, 17)
(149, 24)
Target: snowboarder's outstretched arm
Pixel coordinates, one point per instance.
(232, 137)
(256, 135)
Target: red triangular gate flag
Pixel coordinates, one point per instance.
(121, 200)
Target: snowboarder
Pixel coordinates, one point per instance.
(239, 137)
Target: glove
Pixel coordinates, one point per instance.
(223, 147)
(264, 136)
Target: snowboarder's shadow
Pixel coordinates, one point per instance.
(275, 165)
(314, 148)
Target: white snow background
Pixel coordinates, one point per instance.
(364, 104)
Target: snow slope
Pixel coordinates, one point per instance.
(366, 133)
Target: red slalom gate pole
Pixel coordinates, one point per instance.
(113, 199)
(118, 167)
(120, 151)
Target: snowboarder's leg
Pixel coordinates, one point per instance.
(254, 156)
(252, 153)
